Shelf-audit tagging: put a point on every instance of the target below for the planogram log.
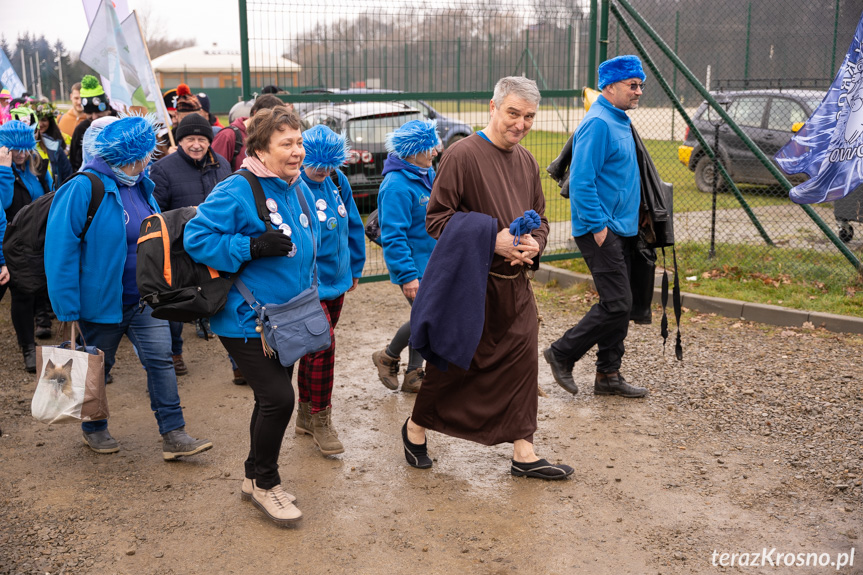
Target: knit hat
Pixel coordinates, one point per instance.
(185, 100)
(620, 68)
(93, 97)
(194, 125)
(204, 100)
(325, 150)
(412, 138)
(16, 135)
(127, 141)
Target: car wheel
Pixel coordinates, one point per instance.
(846, 232)
(454, 139)
(704, 176)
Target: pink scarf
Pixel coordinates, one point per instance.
(258, 168)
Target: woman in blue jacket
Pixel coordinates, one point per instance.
(340, 265)
(23, 178)
(91, 280)
(227, 233)
(402, 201)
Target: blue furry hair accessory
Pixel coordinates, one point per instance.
(129, 140)
(325, 150)
(16, 135)
(620, 68)
(412, 138)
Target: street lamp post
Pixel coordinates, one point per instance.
(716, 121)
(59, 60)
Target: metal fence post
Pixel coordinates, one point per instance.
(591, 45)
(458, 71)
(748, 34)
(603, 32)
(244, 52)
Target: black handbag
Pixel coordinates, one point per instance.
(297, 327)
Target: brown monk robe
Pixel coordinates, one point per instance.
(495, 401)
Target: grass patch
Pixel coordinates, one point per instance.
(796, 279)
(545, 147)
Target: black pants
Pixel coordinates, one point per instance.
(274, 405)
(606, 324)
(26, 310)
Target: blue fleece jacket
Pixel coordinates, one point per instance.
(343, 245)
(604, 182)
(31, 181)
(85, 278)
(219, 236)
(402, 201)
(2, 235)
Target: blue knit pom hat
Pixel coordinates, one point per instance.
(16, 135)
(325, 150)
(620, 68)
(412, 138)
(129, 140)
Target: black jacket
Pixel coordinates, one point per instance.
(182, 182)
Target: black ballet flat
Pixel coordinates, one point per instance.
(416, 455)
(541, 469)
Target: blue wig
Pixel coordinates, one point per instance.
(16, 135)
(620, 68)
(90, 134)
(128, 140)
(412, 138)
(325, 150)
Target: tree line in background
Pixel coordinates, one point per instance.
(44, 59)
(457, 48)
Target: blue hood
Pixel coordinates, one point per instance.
(394, 163)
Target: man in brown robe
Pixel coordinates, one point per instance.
(495, 400)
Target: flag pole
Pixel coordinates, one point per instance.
(155, 83)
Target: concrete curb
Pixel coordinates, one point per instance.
(762, 313)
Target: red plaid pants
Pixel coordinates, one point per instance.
(315, 375)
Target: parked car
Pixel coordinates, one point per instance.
(366, 125)
(449, 129)
(768, 117)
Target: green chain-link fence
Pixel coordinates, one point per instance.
(366, 67)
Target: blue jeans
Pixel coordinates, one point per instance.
(152, 338)
(176, 337)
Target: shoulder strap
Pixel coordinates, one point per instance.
(97, 193)
(238, 142)
(335, 178)
(260, 196)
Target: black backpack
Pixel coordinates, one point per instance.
(24, 242)
(177, 287)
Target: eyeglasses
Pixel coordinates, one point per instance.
(636, 86)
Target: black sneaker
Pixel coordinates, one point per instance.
(416, 455)
(541, 469)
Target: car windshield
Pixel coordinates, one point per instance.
(374, 129)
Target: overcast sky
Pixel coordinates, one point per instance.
(205, 21)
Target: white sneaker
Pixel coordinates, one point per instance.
(276, 505)
(249, 487)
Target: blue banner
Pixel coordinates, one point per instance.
(9, 78)
(829, 147)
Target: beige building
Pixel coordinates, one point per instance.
(208, 68)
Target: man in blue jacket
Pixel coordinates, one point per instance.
(605, 192)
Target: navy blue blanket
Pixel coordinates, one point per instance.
(448, 315)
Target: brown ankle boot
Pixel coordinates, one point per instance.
(413, 380)
(324, 433)
(615, 384)
(388, 368)
(304, 423)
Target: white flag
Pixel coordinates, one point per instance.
(121, 7)
(107, 52)
(140, 56)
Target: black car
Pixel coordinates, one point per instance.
(768, 117)
(366, 125)
(449, 129)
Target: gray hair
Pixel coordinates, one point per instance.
(519, 86)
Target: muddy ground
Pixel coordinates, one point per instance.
(754, 441)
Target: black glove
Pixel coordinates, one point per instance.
(272, 243)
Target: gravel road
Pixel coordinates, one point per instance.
(754, 441)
